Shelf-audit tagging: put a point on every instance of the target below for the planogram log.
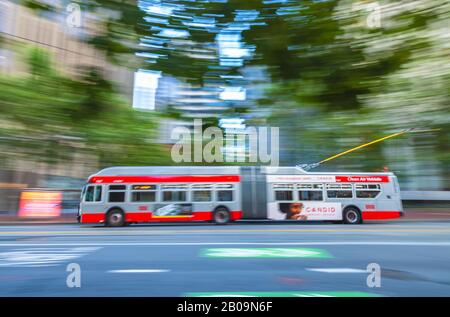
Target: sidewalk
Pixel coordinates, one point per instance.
(422, 214)
(411, 214)
(65, 219)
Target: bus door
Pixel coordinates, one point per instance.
(91, 201)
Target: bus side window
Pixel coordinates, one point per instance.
(283, 195)
(225, 195)
(143, 193)
(174, 196)
(367, 190)
(93, 194)
(310, 195)
(310, 191)
(283, 192)
(98, 193)
(224, 192)
(339, 191)
(201, 192)
(116, 193)
(174, 192)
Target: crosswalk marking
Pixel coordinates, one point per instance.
(139, 271)
(40, 257)
(336, 270)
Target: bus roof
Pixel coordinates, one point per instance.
(214, 170)
(289, 170)
(168, 170)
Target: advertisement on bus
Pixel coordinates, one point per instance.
(304, 210)
(173, 210)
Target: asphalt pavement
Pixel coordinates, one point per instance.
(241, 259)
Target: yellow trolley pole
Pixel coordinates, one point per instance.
(307, 167)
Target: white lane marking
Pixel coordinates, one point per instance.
(336, 270)
(139, 271)
(343, 243)
(39, 257)
(311, 295)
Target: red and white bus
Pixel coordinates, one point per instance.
(118, 196)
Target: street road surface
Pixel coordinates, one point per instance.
(256, 259)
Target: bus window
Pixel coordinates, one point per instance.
(93, 194)
(83, 191)
(89, 197)
(98, 193)
(224, 195)
(283, 195)
(117, 187)
(143, 196)
(201, 195)
(116, 193)
(174, 192)
(174, 196)
(310, 191)
(143, 193)
(283, 191)
(367, 190)
(339, 191)
(224, 192)
(201, 192)
(396, 185)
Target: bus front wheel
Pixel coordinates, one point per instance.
(352, 216)
(115, 218)
(221, 216)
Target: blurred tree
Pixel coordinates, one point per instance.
(338, 81)
(114, 26)
(47, 117)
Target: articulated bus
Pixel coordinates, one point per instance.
(118, 196)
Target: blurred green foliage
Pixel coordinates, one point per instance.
(48, 117)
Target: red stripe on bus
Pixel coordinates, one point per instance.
(147, 217)
(236, 215)
(362, 179)
(92, 218)
(138, 216)
(166, 179)
(381, 215)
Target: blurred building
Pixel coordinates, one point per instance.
(51, 31)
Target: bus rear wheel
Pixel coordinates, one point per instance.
(352, 216)
(221, 216)
(115, 218)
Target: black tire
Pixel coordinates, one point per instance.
(352, 216)
(115, 218)
(221, 216)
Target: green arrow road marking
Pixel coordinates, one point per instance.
(265, 253)
(283, 294)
